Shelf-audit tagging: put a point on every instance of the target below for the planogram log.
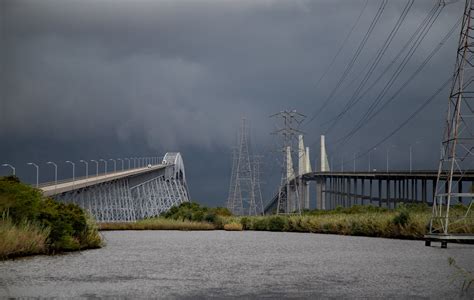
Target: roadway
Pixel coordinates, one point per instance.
(50, 188)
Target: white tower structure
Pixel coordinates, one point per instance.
(304, 167)
(321, 183)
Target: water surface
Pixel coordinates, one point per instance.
(220, 264)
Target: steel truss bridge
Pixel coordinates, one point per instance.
(127, 196)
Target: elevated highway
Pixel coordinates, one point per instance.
(128, 195)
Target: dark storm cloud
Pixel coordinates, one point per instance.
(125, 77)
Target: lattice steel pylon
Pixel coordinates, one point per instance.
(458, 141)
(288, 196)
(241, 198)
(256, 169)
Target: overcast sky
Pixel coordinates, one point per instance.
(107, 79)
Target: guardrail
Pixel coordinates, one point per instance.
(52, 183)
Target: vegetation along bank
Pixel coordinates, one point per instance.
(33, 224)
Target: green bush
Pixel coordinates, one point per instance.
(67, 225)
(260, 224)
(277, 223)
(246, 223)
(21, 202)
(191, 211)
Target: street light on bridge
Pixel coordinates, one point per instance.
(11, 167)
(105, 165)
(128, 162)
(121, 160)
(73, 171)
(115, 164)
(87, 167)
(417, 142)
(370, 152)
(355, 162)
(37, 172)
(388, 149)
(96, 167)
(55, 173)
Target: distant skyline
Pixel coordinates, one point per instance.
(113, 79)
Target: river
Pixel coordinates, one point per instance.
(220, 264)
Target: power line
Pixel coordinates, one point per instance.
(405, 122)
(376, 61)
(374, 111)
(353, 59)
(329, 67)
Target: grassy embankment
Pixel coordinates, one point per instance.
(33, 224)
(405, 222)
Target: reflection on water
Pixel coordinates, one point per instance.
(177, 264)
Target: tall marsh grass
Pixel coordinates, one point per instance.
(22, 239)
(158, 224)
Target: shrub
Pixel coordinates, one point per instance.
(246, 223)
(402, 218)
(277, 223)
(260, 224)
(67, 225)
(21, 201)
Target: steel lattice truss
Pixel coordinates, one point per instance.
(127, 200)
(458, 141)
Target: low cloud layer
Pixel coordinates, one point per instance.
(133, 77)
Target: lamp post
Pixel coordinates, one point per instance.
(55, 173)
(115, 164)
(96, 167)
(411, 154)
(11, 167)
(37, 172)
(105, 165)
(73, 171)
(354, 162)
(388, 149)
(128, 162)
(121, 160)
(87, 167)
(342, 163)
(370, 152)
(134, 161)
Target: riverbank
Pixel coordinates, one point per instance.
(404, 222)
(158, 224)
(33, 224)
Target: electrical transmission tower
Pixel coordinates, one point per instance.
(457, 156)
(256, 167)
(288, 197)
(244, 185)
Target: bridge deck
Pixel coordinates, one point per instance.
(53, 189)
(416, 174)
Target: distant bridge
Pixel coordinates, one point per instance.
(384, 189)
(127, 196)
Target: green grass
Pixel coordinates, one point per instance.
(405, 222)
(21, 239)
(158, 224)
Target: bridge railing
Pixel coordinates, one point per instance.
(68, 180)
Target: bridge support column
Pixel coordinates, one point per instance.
(320, 193)
(423, 190)
(380, 192)
(387, 192)
(370, 191)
